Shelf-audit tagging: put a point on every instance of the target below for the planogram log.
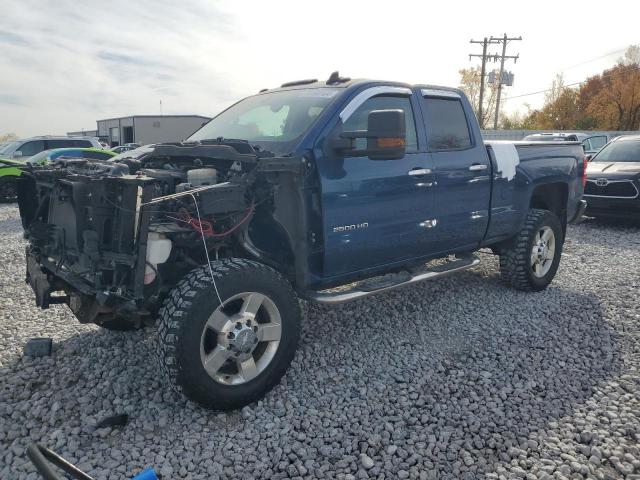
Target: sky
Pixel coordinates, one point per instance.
(66, 64)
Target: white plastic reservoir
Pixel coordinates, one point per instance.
(200, 177)
(158, 251)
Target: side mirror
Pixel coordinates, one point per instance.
(385, 135)
(17, 154)
(589, 157)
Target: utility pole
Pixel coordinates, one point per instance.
(504, 40)
(484, 44)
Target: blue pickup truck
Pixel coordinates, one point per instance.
(363, 185)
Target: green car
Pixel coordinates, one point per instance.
(10, 170)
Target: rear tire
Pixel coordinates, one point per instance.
(532, 261)
(227, 356)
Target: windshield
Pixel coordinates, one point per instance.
(620, 151)
(39, 157)
(134, 153)
(9, 147)
(274, 121)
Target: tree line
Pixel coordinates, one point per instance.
(606, 101)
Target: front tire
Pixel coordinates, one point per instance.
(532, 261)
(8, 189)
(227, 355)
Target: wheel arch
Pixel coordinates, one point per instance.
(552, 197)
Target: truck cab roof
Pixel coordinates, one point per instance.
(352, 84)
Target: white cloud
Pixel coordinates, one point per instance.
(65, 64)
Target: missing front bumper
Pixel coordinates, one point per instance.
(40, 284)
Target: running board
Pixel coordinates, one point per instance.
(384, 283)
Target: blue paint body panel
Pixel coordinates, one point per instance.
(375, 217)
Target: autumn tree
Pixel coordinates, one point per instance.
(560, 110)
(608, 101)
(612, 100)
(8, 137)
(631, 56)
(519, 120)
(470, 85)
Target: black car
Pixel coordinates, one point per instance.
(613, 180)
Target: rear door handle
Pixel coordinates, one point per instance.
(419, 171)
(477, 167)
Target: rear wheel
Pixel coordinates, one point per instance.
(227, 354)
(532, 261)
(8, 189)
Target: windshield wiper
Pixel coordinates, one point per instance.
(219, 141)
(241, 145)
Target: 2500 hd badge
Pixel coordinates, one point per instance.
(346, 228)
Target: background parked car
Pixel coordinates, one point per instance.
(10, 169)
(9, 173)
(590, 143)
(134, 154)
(58, 153)
(553, 137)
(25, 148)
(121, 148)
(613, 180)
(593, 144)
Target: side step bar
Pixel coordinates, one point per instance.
(384, 283)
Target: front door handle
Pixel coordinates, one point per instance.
(419, 171)
(477, 167)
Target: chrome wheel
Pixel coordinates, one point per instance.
(543, 251)
(240, 338)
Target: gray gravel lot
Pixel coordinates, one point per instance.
(457, 378)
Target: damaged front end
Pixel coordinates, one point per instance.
(111, 239)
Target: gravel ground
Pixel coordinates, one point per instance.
(457, 378)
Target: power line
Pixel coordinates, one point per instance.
(541, 91)
(610, 75)
(613, 52)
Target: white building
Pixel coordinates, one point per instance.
(145, 129)
(83, 133)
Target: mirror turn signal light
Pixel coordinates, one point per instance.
(390, 142)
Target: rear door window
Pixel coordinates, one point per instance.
(598, 142)
(595, 143)
(70, 143)
(446, 123)
(29, 149)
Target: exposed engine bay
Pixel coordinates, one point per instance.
(113, 238)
